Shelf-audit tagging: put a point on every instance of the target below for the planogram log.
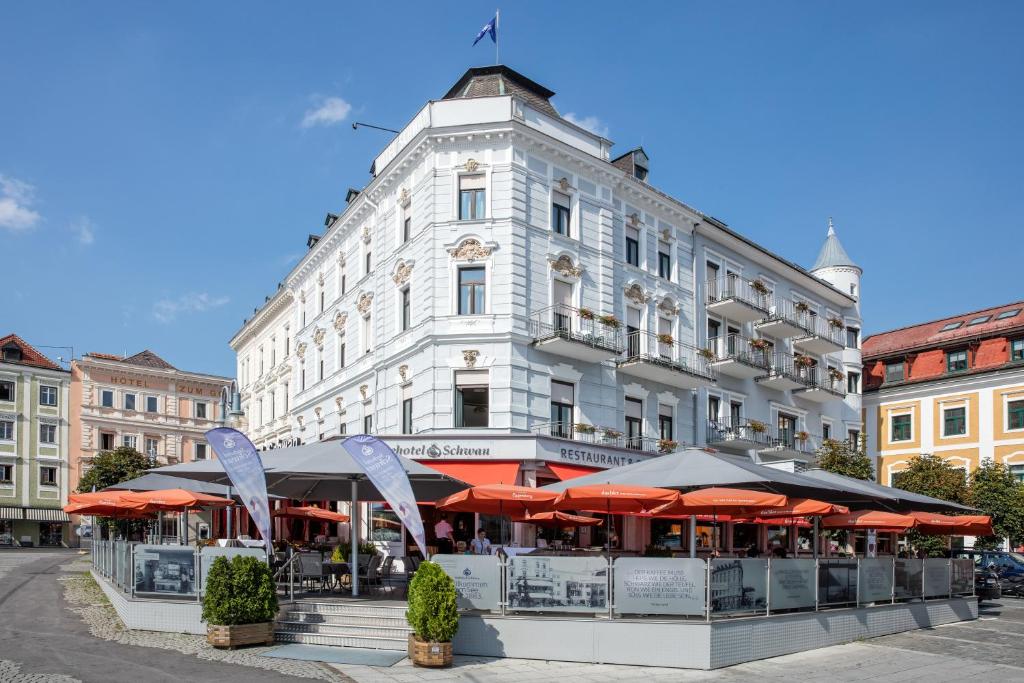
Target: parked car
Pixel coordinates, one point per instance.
(996, 572)
(1008, 564)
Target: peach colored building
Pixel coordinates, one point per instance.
(140, 401)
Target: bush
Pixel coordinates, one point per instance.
(432, 612)
(239, 592)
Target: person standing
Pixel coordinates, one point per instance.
(444, 533)
(481, 545)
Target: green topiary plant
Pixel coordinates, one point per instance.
(432, 612)
(337, 555)
(239, 592)
(217, 603)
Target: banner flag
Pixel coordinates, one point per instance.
(384, 469)
(244, 468)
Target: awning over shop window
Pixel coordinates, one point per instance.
(477, 473)
(564, 472)
(11, 513)
(46, 515)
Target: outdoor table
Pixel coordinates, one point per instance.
(334, 571)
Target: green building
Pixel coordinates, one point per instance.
(34, 436)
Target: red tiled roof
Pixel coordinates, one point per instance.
(29, 356)
(105, 356)
(144, 358)
(930, 334)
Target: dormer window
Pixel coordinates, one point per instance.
(640, 172)
(12, 352)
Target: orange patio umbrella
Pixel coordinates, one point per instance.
(558, 518)
(869, 519)
(499, 499)
(310, 512)
(173, 499)
(101, 504)
(614, 498)
(953, 525)
(775, 521)
(801, 507)
(715, 499)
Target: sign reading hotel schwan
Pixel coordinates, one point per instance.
(501, 447)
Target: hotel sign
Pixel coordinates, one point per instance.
(500, 447)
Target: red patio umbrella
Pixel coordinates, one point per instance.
(310, 512)
(869, 519)
(173, 499)
(614, 498)
(498, 499)
(715, 499)
(557, 518)
(776, 521)
(102, 504)
(953, 525)
(801, 507)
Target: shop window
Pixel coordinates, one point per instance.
(956, 361)
(472, 399)
(47, 476)
(47, 395)
(667, 533)
(954, 421)
(385, 526)
(901, 428)
(472, 197)
(562, 405)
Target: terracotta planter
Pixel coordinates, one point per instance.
(242, 634)
(424, 653)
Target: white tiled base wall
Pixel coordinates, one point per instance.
(154, 615)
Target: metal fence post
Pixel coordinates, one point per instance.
(197, 561)
(817, 582)
(291, 573)
(892, 588)
(503, 585)
(768, 590)
(857, 603)
(132, 581)
(609, 585)
(707, 590)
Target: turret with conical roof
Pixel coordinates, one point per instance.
(832, 254)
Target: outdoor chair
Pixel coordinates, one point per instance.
(371, 578)
(384, 573)
(311, 570)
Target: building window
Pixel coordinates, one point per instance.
(406, 225)
(284, 399)
(853, 382)
(129, 441)
(560, 213)
(341, 352)
(273, 351)
(47, 433)
(956, 361)
(106, 441)
(6, 391)
(666, 423)
(323, 300)
(902, 428)
(287, 341)
(714, 405)
(406, 410)
(200, 451)
(1017, 350)
(343, 428)
(47, 476)
(367, 334)
(6, 430)
(634, 423)
(107, 398)
(406, 310)
(151, 404)
(664, 262)
(852, 338)
(12, 352)
(472, 197)
(367, 424)
(735, 413)
(6, 474)
(563, 399)
(343, 284)
(472, 399)
(954, 421)
(151, 446)
(633, 247)
(47, 395)
(787, 429)
(320, 372)
(894, 372)
(472, 288)
(261, 361)
(200, 409)
(369, 261)
(826, 431)
(1015, 415)
(129, 401)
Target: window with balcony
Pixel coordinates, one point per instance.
(633, 247)
(47, 395)
(787, 429)
(6, 430)
(954, 421)
(735, 414)
(634, 423)
(894, 372)
(560, 213)
(47, 476)
(472, 399)
(6, 391)
(1015, 415)
(472, 290)
(472, 197)
(666, 423)
(901, 428)
(853, 382)
(956, 361)
(47, 433)
(1017, 350)
(664, 261)
(562, 407)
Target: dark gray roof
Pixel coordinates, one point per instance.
(906, 501)
(491, 81)
(832, 253)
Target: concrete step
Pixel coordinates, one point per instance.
(353, 630)
(366, 609)
(342, 619)
(397, 644)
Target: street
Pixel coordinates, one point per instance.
(42, 640)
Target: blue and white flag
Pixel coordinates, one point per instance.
(490, 27)
(384, 469)
(244, 468)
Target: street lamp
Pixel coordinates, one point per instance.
(231, 415)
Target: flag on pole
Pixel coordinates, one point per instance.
(490, 27)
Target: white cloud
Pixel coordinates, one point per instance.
(16, 200)
(591, 123)
(166, 310)
(332, 110)
(84, 229)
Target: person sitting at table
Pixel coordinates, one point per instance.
(481, 545)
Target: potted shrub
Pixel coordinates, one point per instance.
(802, 436)
(835, 374)
(665, 338)
(584, 428)
(240, 603)
(801, 307)
(836, 323)
(759, 287)
(667, 445)
(433, 616)
(803, 361)
(708, 355)
(610, 433)
(757, 427)
(586, 314)
(610, 321)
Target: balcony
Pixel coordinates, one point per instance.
(787, 444)
(822, 385)
(783, 374)
(575, 333)
(660, 358)
(603, 436)
(739, 357)
(820, 337)
(739, 435)
(784, 320)
(736, 299)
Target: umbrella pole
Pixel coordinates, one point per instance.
(160, 527)
(184, 526)
(693, 536)
(353, 526)
(816, 518)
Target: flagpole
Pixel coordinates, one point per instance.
(497, 33)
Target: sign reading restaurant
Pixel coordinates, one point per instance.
(513, 447)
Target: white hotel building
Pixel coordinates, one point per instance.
(508, 299)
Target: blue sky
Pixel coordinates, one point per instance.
(161, 164)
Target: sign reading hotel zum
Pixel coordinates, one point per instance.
(181, 388)
(512, 448)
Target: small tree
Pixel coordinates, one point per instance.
(113, 467)
(842, 457)
(996, 492)
(432, 614)
(932, 476)
(239, 592)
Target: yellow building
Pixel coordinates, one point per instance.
(953, 388)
